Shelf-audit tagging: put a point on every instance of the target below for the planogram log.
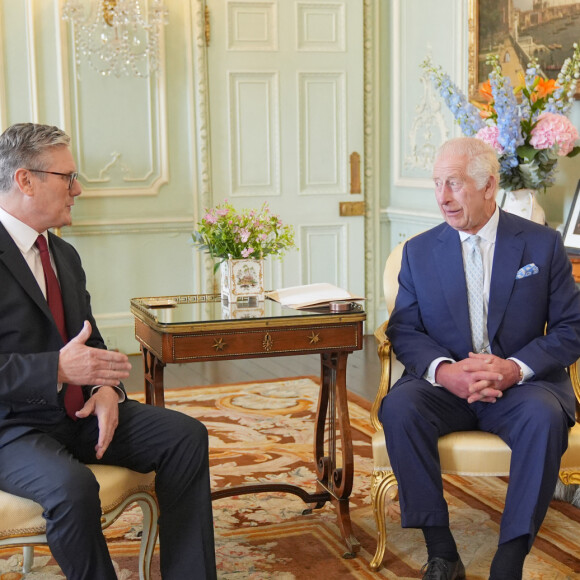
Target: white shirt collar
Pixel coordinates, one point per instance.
(489, 231)
(23, 235)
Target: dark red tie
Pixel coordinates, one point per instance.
(73, 397)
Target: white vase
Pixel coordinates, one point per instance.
(524, 202)
(242, 279)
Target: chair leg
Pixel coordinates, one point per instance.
(382, 483)
(27, 559)
(150, 511)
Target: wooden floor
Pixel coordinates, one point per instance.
(363, 371)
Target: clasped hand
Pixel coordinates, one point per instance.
(80, 364)
(481, 377)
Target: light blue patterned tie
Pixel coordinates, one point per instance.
(474, 279)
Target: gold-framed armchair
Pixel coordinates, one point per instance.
(467, 453)
(22, 524)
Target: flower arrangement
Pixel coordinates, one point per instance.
(225, 233)
(527, 125)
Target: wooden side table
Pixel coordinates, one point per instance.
(193, 328)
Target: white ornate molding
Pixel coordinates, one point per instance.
(335, 14)
(31, 69)
(271, 162)
(336, 135)
(203, 198)
(128, 226)
(371, 160)
(334, 238)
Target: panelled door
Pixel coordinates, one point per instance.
(286, 115)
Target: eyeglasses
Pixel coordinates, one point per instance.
(71, 176)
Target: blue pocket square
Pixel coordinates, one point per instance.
(526, 271)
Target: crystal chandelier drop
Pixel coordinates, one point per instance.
(119, 37)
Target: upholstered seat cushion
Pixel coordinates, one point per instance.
(475, 453)
(20, 517)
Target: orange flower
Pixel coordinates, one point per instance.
(485, 91)
(486, 110)
(544, 88)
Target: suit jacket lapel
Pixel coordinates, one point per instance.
(16, 264)
(448, 259)
(509, 248)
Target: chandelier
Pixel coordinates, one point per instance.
(119, 37)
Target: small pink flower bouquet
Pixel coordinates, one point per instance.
(225, 233)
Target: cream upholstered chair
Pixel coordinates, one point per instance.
(22, 524)
(462, 453)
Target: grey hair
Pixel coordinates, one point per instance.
(482, 160)
(24, 145)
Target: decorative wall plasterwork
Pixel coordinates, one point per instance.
(402, 85)
(97, 183)
(428, 130)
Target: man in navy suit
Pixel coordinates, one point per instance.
(44, 443)
(513, 384)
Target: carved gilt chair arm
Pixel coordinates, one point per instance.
(575, 378)
(384, 352)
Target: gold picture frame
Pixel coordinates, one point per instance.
(565, 20)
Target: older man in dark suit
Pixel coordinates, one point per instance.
(62, 403)
(486, 321)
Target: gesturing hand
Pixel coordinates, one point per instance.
(84, 365)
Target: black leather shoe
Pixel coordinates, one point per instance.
(440, 569)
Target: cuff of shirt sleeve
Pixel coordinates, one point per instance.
(526, 372)
(120, 392)
(430, 374)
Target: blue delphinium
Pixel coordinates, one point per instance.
(466, 114)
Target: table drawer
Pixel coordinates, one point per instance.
(266, 342)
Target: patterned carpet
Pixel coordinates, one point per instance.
(263, 432)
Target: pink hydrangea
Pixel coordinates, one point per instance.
(247, 251)
(553, 129)
(210, 218)
(489, 134)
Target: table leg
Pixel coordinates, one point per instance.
(334, 461)
(153, 373)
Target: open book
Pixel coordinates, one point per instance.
(311, 295)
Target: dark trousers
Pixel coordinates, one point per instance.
(49, 467)
(528, 418)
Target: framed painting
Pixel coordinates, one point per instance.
(517, 30)
(572, 229)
